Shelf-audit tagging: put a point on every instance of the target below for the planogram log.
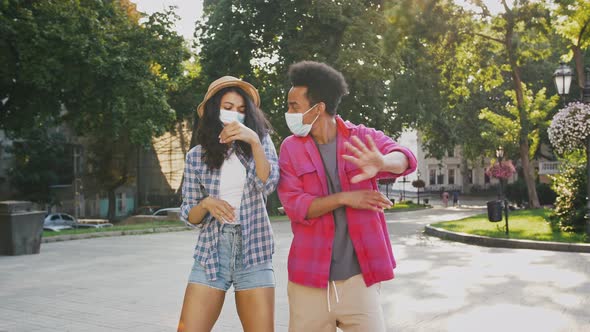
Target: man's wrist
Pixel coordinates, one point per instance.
(341, 198)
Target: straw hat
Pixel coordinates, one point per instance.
(224, 82)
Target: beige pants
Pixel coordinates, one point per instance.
(349, 305)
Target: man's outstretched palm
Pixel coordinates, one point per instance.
(368, 159)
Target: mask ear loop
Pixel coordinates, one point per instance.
(317, 116)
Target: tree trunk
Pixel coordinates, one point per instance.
(579, 61)
(529, 176)
(524, 146)
(112, 204)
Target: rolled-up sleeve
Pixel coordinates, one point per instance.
(387, 145)
(268, 186)
(192, 194)
(295, 200)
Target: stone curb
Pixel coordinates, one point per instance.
(69, 237)
(406, 210)
(505, 243)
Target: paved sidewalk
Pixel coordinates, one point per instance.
(136, 283)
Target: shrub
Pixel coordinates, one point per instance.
(517, 193)
(546, 195)
(570, 205)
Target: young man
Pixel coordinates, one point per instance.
(341, 249)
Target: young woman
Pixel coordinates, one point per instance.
(227, 177)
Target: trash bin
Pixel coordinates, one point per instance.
(20, 228)
(495, 211)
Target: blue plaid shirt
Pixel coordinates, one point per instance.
(257, 237)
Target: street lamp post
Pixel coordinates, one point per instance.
(500, 156)
(404, 188)
(563, 79)
(418, 173)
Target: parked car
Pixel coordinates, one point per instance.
(165, 211)
(147, 209)
(60, 221)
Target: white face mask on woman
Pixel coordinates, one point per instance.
(296, 125)
(230, 116)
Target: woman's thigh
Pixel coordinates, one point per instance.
(256, 309)
(201, 308)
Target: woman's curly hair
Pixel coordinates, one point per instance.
(209, 128)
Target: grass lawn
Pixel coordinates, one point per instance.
(523, 224)
(407, 205)
(147, 225)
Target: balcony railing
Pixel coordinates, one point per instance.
(548, 167)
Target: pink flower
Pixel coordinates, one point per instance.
(503, 170)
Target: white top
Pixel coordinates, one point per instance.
(232, 179)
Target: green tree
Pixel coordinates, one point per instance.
(572, 22)
(104, 75)
(520, 35)
(41, 160)
(258, 41)
(430, 82)
(505, 122)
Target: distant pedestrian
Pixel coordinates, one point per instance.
(444, 197)
(455, 198)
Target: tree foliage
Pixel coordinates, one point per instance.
(258, 41)
(91, 66)
(41, 160)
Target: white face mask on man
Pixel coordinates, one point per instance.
(296, 125)
(230, 116)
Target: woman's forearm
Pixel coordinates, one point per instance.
(198, 212)
(262, 164)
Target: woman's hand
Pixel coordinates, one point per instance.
(220, 209)
(235, 131)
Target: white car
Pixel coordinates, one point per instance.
(60, 221)
(164, 212)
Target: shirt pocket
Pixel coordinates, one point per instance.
(351, 171)
(308, 175)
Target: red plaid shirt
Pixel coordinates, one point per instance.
(303, 179)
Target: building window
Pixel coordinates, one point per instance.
(451, 176)
(440, 178)
(451, 152)
(470, 176)
(432, 177)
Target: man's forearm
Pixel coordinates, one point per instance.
(395, 162)
(323, 205)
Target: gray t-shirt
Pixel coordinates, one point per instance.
(344, 264)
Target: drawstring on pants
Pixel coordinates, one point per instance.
(335, 291)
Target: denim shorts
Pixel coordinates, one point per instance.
(231, 265)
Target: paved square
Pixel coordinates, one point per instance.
(136, 283)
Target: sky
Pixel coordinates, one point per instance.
(188, 10)
(191, 10)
